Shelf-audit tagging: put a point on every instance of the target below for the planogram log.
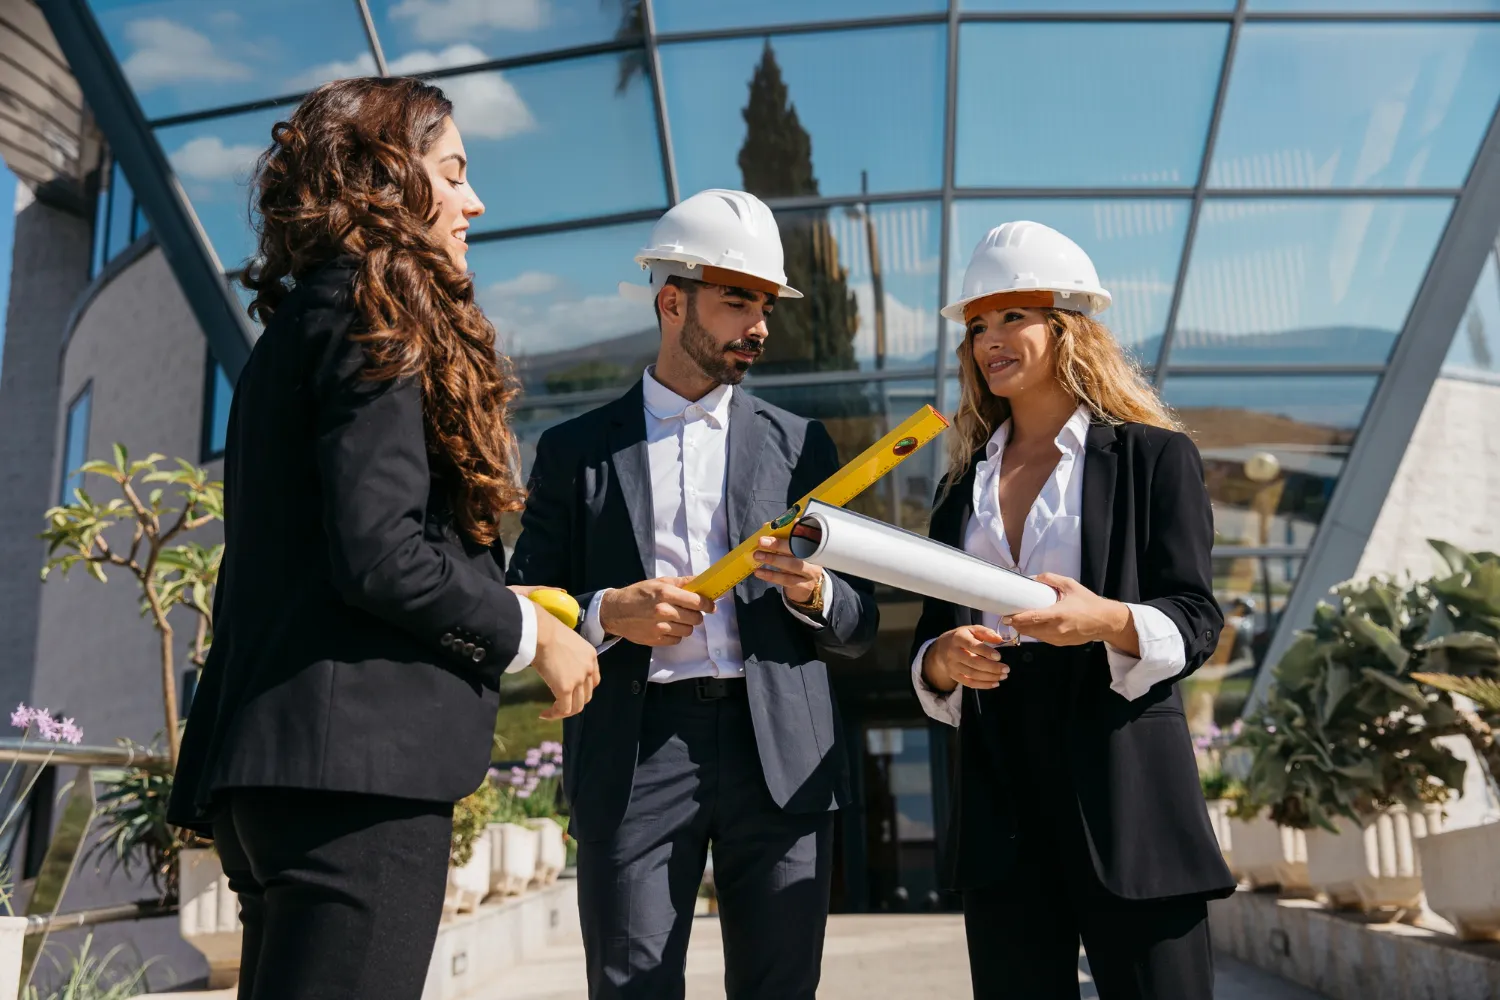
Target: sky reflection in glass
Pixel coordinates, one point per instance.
(696, 15)
(1476, 343)
(1307, 280)
(1347, 105)
(1133, 113)
(1135, 244)
(870, 100)
(474, 31)
(191, 55)
(1096, 6)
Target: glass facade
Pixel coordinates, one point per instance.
(118, 219)
(75, 444)
(1262, 190)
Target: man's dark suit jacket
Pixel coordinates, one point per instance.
(589, 525)
(359, 638)
(1147, 539)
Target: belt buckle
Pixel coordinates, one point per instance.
(709, 688)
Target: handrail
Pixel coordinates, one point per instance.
(34, 752)
(143, 910)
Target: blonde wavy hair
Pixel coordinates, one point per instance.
(1090, 365)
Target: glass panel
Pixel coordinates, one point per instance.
(1252, 590)
(220, 396)
(1135, 244)
(862, 310)
(1148, 90)
(1310, 280)
(76, 444)
(189, 55)
(100, 255)
(695, 15)
(1348, 105)
(1476, 345)
(556, 303)
(121, 205)
(474, 31)
(1096, 6)
(528, 424)
(215, 161)
(900, 830)
(139, 224)
(828, 113)
(1419, 6)
(559, 141)
(859, 414)
(1273, 447)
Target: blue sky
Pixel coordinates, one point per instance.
(7, 237)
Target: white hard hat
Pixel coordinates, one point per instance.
(1031, 257)
(724, 237)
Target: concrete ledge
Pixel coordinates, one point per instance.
(1346, 956)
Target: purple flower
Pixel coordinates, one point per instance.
(551, 747)
(531, 784)
(517, 782)
(547, 770)
(533, 757)
(524, 793)
(493, 774)
(71, 733)
(21, 717)
(47, 727)
(1202, 742)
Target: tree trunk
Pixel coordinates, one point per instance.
(168, 677)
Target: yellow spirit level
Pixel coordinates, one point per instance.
(838, 489)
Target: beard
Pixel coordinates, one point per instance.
(712, 360)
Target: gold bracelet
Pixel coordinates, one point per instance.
(814, 606)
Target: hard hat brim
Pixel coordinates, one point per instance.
(1098, 300)
(646, 294)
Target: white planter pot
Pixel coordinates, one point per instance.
(468, 885)
(12, 941)
(1461, 873)
(1218, 817)
(1268, 855)
(1374, 867)
(513, 865)
(209, 915)
(552, 851)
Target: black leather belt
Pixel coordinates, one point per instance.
(704, 688)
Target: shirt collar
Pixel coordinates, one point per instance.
(664, 404)
(1070, 440)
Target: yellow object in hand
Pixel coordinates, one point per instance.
(559, 604)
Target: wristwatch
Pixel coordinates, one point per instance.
(814, 606)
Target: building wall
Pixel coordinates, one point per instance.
(1448, 486)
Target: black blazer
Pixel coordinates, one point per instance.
(359, 637)
(1147, 539)
(589, 525)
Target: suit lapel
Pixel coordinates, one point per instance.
(747, 438)
(1099, 467)
(627, 448)
(951, 521)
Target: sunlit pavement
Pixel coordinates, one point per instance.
(895, 957)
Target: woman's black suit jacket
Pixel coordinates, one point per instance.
(1147, 537)
(359, 638)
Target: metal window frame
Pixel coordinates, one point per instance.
(64, 473)
(155, 186)
(1381, 441)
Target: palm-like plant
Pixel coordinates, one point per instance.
(95, 977)
(135, 834)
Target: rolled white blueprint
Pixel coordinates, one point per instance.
(846, 542)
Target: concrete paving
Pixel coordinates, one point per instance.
(899, 957)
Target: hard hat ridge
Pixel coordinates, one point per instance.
(1033, 261)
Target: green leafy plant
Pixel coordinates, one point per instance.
(1345, 731)
(87, 976)
(471, 815)
(134, 834)
(169, 573)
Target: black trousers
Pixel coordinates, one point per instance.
(340, 894)
(698, 781)
(1023, 933)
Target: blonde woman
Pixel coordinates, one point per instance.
(1077, 812)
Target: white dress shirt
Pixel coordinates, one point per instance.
(687, 450)
(1052, 542)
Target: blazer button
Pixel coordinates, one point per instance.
(1209, 634)
(479, 655)
(468, 649)
(447, 640)
(635, 687)
(1026, 657)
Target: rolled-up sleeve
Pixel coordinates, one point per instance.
(1162, 654)
(945, 707)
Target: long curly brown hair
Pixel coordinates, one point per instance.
(344, 177)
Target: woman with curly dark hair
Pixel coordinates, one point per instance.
(361, 619)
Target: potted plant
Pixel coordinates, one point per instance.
(538, 798)
(1461, 657)
(469, 858)
(1344, 747)
(513, 845)
(1220, 791)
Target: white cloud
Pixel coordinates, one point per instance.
(446, 20)
(166, 52)
(485, 105)
(525, 283)
(529, 325)
(206, 158)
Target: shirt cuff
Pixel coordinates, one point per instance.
(942, 706)
(526, 651)
(1162, 654)
(827, 592)
(592, 629)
